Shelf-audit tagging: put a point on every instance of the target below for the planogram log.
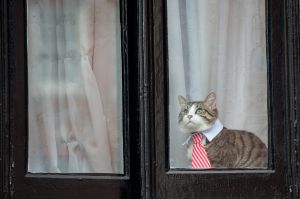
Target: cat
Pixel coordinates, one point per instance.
(226, 148)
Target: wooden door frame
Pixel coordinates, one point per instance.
(148, 47)
(5, 142)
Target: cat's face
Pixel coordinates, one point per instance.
(197, 116)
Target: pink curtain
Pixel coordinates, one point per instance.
(75, 86)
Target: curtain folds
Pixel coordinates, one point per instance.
(74, 77)
(218, 46)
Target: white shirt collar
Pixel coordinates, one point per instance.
(210, 133)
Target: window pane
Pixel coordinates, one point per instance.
(217, 63)
(75, 86)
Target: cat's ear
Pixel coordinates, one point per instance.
(182, 100)
(210, 101)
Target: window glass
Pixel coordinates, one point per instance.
(75, 86)
(218, 111)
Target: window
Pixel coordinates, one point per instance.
(180, 182)
(44, 42)
(145, 114)
(217, 54)
(75, 96)
(75, 87)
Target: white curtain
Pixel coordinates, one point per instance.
(218, 46)
(75, 80)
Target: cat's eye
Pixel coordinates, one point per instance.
(185, 111)
(200, 111)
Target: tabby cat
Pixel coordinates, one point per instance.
(227, 148)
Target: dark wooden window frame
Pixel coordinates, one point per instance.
(150, 177)
(15, 181)
(282, 179)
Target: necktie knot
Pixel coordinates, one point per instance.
(197, 138)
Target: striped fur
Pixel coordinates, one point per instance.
(237, 149)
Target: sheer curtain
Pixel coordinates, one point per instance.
(75, 80)
(220, 46)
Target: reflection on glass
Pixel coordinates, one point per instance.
(75, 81)
(217, 84)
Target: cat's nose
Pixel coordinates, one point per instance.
(189, 116)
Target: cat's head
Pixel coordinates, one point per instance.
(197, 116)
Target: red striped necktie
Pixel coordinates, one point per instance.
(199, 156)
